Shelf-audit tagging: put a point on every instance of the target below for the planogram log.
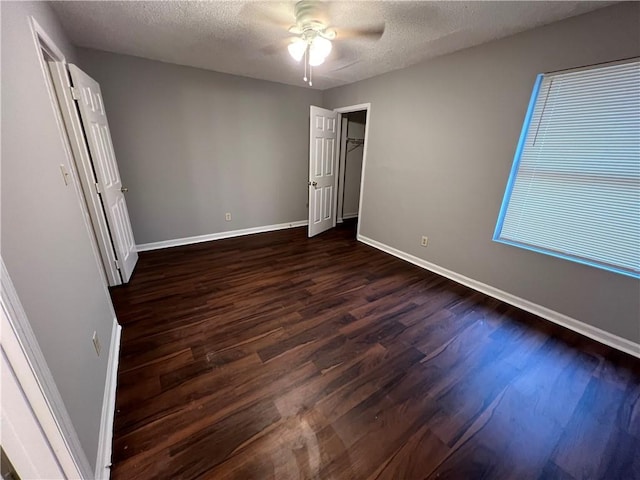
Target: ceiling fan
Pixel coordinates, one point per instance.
(311, 37)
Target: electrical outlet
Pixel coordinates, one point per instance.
(424, 241)
(227, 217)
(96, 343)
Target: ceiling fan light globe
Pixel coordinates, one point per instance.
(315, 59)
(321, 46)
(297, 49)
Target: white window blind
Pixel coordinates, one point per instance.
(574, 190)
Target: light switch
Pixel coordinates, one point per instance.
(66, 176)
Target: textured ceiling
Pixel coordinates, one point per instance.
(231, 37)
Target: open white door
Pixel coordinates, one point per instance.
(108, 185)
(322, 169)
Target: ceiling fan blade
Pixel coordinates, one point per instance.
(369, 33)
(275, 14)
(341, 57)
(295, 30)
(312, 11)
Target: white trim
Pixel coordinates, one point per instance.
(23, 439)
(103, 460)
(592, 332)
(219, 236)
(356, 108)
(336, 181)
(350, 215)
(36, 380)
(342, 165)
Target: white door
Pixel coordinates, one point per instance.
(322, 169)
(109, 185)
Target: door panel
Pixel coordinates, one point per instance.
(318, 206)
(94, 121)
(329, 155)
(322, 166)
(328, 201)
(318, 157)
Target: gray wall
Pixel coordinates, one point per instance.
(442, 138)
(45, 241)
(353, 169)
(193, 144)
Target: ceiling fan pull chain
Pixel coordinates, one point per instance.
(310, 75)
(306, 62)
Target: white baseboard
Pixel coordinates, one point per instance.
(219, 236)
(595, 333)
(347, 216)
(103, 460)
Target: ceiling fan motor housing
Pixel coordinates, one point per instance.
(311, 20)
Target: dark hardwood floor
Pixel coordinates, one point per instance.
(278, 356)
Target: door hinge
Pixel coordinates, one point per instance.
(97, 188)
(75, 93)
(117, 264)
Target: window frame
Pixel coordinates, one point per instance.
(514, 173)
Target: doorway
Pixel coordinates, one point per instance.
(80, 114)
(351, 148)
(331, 148)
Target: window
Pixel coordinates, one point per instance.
(574, 188)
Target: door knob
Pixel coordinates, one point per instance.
(313, 184)
(124, 189)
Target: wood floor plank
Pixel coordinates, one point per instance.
(417, 457)
(515, 441)
(593, 425)
(277, 356)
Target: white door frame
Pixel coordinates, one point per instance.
(58, 87)
(349, 109)
(341, 154)
(41, 442)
